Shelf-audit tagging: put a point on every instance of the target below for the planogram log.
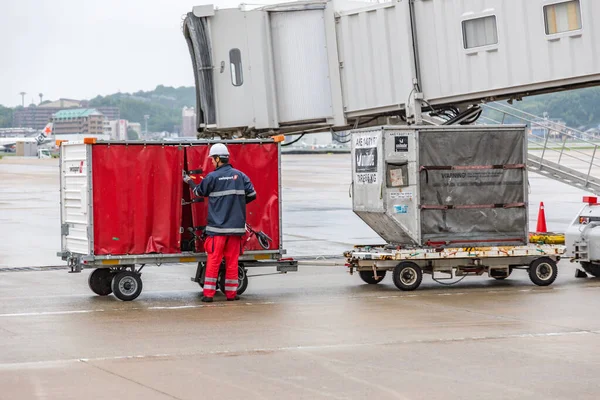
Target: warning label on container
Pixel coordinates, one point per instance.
(365, 158)
(366, 178)
(366, 140)
(475, 178)
(401, 195)
(400, 144)
(401, 209)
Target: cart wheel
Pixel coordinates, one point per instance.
(591, 268)
(127, 285)
(407, 276)
(543, 271)
(369, 276)
(100, 281)
(242, 281)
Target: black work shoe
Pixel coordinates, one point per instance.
(234, 298)
(207, 299)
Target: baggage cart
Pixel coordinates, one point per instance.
(124, 205)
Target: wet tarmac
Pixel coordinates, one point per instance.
(315, 334)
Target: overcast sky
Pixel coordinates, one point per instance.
(81, 48)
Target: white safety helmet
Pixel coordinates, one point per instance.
(218, 150)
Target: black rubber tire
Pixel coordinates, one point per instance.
(407, 276)
(369, 277)
(100, 281)
(591, 268)
(263, 242)
(202, 272)
(242, 281)
(543, 271)
(127, 285)
(500, 278)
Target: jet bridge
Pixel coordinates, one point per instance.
(314, 66)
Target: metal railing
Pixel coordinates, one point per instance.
(572, 159)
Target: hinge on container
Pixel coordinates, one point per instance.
(341, 64)
(181, 229)
(64, 229)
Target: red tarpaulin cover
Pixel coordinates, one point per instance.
(261, 163)
(137, 194)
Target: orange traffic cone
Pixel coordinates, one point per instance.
(541, 222)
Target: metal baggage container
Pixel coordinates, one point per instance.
(447, 186)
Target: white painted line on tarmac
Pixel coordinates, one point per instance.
(155, 308)
(37, 314)
(33, 364)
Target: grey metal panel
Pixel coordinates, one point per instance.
(301, 65)
(234, 103)
(375, 48)
(260, 65)
(402, 203)
(387, 227)
(525, 57)
(76, 199)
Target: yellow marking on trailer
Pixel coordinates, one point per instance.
(262, 256)
(110, 262)
(187, 259)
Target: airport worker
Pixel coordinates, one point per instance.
(228, 191)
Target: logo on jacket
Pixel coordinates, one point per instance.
(235, 177)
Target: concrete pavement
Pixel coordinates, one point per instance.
(318, 333)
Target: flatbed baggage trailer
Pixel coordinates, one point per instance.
(408, 265)
(124, 205)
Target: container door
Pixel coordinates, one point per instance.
(301, 65)
(76, 208)
(232, 77)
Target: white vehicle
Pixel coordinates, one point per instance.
(583, 239)
(44, 153)
(8, 144)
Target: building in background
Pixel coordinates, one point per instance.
(61, 104)
(33, 116)
(36, 117)
(188, 125)
(79, 121)
(16, 132)
(111, 113)
(118, 129)
(107, 128)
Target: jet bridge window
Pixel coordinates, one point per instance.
(235, 65)
(562, 17)
(479, 32)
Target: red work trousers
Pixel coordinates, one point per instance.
(216, 248)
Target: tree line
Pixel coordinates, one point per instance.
(578, 108)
